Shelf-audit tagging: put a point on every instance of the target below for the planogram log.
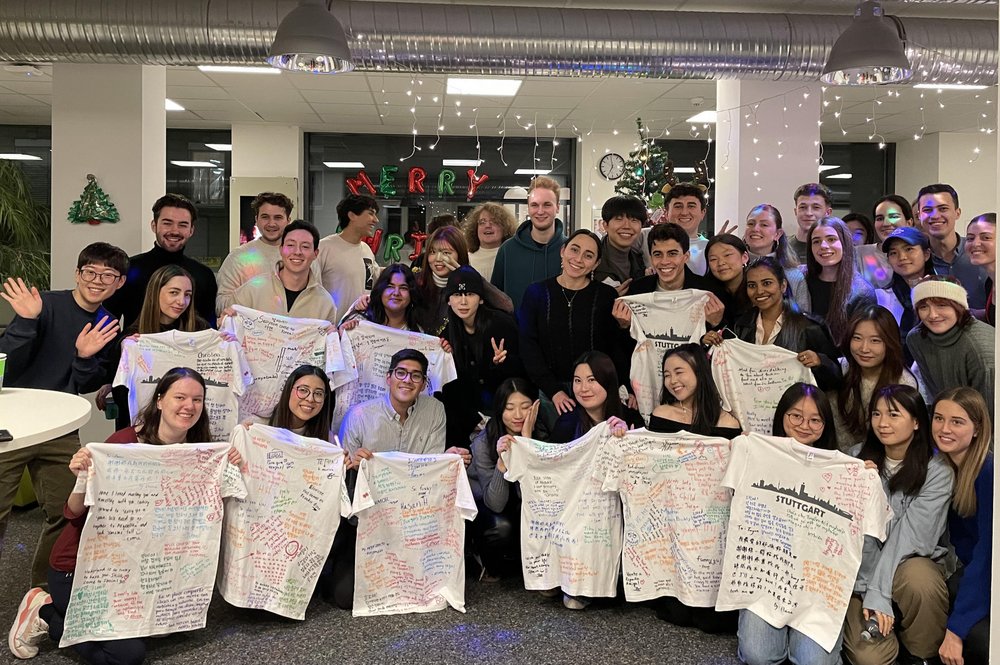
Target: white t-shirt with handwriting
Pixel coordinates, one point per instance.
(411, 533)
(220, 362)
(796, 532)
(676, 512)
(571, 530)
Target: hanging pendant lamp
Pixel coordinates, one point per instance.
(870, 52)
(311, 39)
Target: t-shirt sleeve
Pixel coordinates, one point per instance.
(123, 376)
(878, 513)
(334, 359)
(242, 375)
(606, 468)
(464, 500)
(739, 456)
(362, 492)
(516, 458)
(444, 369)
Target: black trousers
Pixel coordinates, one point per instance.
(496, 537)
(131, 651)
(976, 646)
(336, 582)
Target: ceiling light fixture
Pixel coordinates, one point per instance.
(870, 52)
(532, 171)
(19, 157)
(461, 162)
(194, 165)
(310, 39)
(237, 69)
(220, 147)
(171, 105)
(344, 165)
(839, 176)
(949, 86)
(828, 167)
(485, 87)
(704, 116)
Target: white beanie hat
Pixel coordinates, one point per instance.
(940, 288)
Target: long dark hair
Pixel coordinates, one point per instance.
(840, 294)
(317, 427)
(741, 302)
(782, 251)
(468, 348)
(795, 393)
(911, 474)
(794, 322)
(495, 428)
(148, 420)
(707, 405)
(149, 316)
(604, 371)
(376, 309)
(849, 403)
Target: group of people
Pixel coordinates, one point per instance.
(892, 315)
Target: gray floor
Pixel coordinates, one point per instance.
(503, 624)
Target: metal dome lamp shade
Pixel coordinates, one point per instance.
(870, 51)
(311, 39)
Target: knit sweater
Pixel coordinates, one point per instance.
(244, 263)
(41, 352)
(521, 261)
(558, 325)
(972, 538)
(959, 357)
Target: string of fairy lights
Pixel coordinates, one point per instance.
(433, 109)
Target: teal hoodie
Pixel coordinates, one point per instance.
(522, 261)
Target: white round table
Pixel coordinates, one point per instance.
(35, 416)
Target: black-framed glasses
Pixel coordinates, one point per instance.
(305, 392)
(414, 375)
(89, 275)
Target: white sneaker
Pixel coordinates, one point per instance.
(575, 602)
(29, 630)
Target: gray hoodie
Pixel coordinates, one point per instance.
(521, 261)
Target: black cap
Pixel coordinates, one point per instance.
(464, 279)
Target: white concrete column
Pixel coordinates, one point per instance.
(108, 120)
(763, 158)
(269, 151)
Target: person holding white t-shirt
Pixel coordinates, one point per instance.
(804, 414)
(903, 578)
(346, 263)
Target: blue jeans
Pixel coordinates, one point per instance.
(760, 643)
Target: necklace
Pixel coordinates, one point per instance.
(569, 301)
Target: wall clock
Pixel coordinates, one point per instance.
(612, 166)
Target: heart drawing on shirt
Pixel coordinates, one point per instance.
(827, 477)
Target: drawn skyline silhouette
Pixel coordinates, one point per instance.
(803, 496)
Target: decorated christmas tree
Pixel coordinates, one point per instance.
(644, 170)
(93, 206)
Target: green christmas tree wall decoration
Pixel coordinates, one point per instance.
(644, 170)
(93, 206)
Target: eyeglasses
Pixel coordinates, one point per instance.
(414, 375)
(304, 392)
(797, 419)
(89, 275)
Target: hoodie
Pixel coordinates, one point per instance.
(522, 261)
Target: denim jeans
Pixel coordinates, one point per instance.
(760, 643)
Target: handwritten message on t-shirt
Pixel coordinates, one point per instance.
(150, 545)
(675, 512)
(571, 530)
(220, 362)
(661, 321)
(411, 533)
(753, 377)
(367, 350)
(796, 531)
(274, 347)
(276, 539)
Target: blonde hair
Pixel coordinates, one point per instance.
(964, 496)
(543, 182)
(500, 216)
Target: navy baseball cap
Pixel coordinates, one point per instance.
(909, 235)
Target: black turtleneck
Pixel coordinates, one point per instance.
(127, 301)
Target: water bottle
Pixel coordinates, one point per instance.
(110, 408)
(871, 632)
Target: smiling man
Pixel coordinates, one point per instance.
(813, 202)
(938, 211)
(532, 255)
(621, 262)
(346, 263)
(272, 212)
(292, 288)
(174, 217)
(686, 207)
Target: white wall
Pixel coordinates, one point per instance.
(592, 189)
